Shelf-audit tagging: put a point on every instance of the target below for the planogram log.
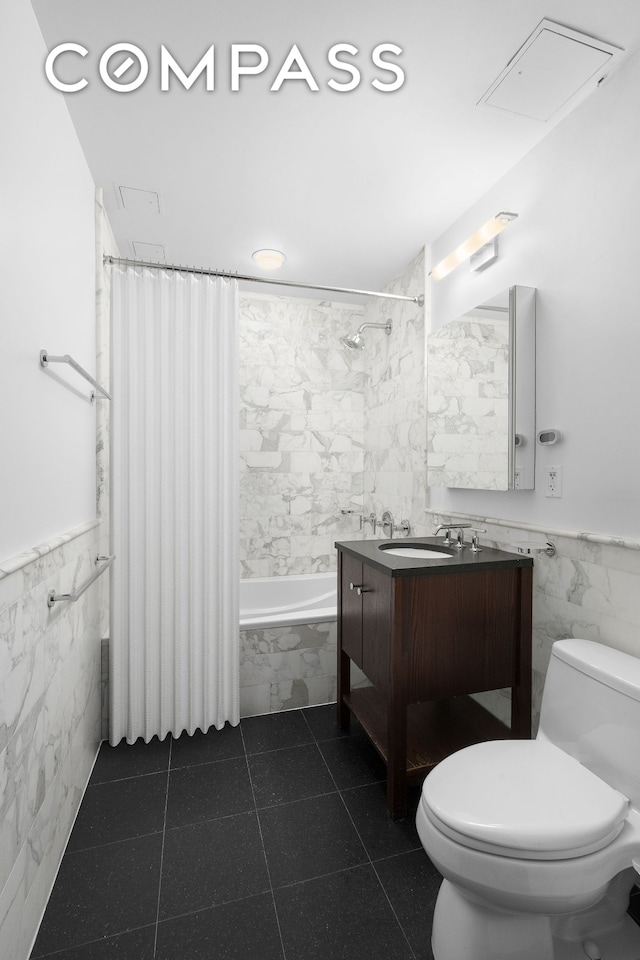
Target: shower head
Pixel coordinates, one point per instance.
(355, 341)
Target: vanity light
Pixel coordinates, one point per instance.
(484, 235)
(269, 259)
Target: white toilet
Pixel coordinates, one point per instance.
(538, 839)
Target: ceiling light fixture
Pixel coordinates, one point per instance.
(484, 235)
(269, 259)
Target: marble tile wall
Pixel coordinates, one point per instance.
(590, 589)
(301, 441)
(468, 404)
(49, 720)
(395, 403)
(286, 667)
(301, 433)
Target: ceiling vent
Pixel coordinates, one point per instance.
(149, 252)
(552, 70)
(139, 201)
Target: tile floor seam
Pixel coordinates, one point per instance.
(393, 910)
(134, 776)
(112, 843)
(364, 846)
(164, 833)
(213, 906)
(204, 763)
(290, 746)
(87, 943)
(108, 843)
(371, 863)
(282, 803)
(264, 849)
(322, 876)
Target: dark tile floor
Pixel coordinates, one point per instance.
(267, 841)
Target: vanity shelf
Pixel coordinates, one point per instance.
(427, 633)
(435, 729)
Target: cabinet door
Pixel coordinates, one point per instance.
(376, 627)
(351, 608)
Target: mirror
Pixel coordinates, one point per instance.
(481, 427)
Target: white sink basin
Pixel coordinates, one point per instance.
(414, 551)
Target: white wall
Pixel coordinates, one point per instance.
(577, 240)
(47, 432)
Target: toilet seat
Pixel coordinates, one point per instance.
(525, 799)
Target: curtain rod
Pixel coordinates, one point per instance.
(281, 283)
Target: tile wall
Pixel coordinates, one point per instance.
(588, 590)
(301, 442)
(395, 433)
(323, 428)
(49, 720)
(286, 667)
(301, 433)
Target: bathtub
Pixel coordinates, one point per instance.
(285, 601)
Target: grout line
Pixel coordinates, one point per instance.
(109, 843)
(368, 856)
(88, 943)
(134, 776)
(164, 831)
(264, 851)
(392, 907)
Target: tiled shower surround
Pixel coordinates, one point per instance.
(301, 433)
(395, 403)
(309, 409)
(301, 462)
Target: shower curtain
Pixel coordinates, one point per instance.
(174, 623)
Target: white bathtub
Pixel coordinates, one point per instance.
(286, 601)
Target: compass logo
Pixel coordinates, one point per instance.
(124, 67)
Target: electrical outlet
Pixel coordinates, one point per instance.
(554, 482)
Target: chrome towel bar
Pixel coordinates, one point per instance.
(47, 358)
(53, 597)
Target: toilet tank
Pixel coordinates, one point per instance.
(591, 710)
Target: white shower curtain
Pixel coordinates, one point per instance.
(174, 625)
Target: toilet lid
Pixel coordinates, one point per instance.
(527, 798)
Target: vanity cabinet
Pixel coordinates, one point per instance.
(427, 634)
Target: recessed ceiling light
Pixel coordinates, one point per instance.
(269, 259)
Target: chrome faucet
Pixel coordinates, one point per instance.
(453, 526)
(372, 519)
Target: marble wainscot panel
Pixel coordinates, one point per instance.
(301, 433)
(395, 403)
(49, 720)
(467, 399)
(589, 589)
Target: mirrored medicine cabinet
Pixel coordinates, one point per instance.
(481, 427)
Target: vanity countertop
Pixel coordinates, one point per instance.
(459, 561)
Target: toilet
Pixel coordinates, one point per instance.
(538, 841)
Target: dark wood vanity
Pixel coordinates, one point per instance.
(427, 633)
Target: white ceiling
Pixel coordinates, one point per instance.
(348, 185)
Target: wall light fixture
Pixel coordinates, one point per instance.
(484, 235)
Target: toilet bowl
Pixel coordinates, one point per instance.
(537, 840)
